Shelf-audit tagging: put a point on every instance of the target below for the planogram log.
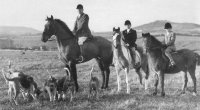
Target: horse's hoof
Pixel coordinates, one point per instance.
(162, 94)
(155, 93)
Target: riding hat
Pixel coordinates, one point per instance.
(168, 26)
(79, 6)
(127, 22)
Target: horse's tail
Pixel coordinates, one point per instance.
(197, 58)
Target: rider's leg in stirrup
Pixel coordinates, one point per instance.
(168, 54)
(133, 56)
(81, 40)
(81, 58)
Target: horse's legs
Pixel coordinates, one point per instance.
(156, 84)
(127, 80)
(107, 76)
(102, 72)
(146, 70)
(74, 75)
(185, 81)
(192, 74)
(162, 80)
(139, 74)
(118, 78)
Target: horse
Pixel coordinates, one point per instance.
(98, 48)
(123, 60)
(186, 61)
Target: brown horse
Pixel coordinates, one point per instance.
(123, 60)
(185, 60)
(98, 48)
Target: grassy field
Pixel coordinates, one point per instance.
(36, 64)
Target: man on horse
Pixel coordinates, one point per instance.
(169, 41)
(81, 30)
(129, 37)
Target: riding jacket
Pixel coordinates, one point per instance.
(81, 28)
(170, 39)
(130, 37)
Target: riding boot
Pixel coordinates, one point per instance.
(80, 59)
(132, 53)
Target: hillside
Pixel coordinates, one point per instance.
(17, 31)
(181, 28)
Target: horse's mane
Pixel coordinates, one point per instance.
(155, 41)
(65, 27)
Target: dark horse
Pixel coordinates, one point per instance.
(185, 60)
(98, 48)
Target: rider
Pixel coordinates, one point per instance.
(169, 41)
(129, 37)
(81, 30)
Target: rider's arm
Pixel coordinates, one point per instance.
(83, 22)
(172, 39)
(134, 36)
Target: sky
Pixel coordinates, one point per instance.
(103, 14)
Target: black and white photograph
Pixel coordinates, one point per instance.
(99, 55)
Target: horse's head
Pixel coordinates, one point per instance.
(116, 35)
(49, 29)
(146, 40)
(151, 43)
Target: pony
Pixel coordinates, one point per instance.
(98, 48)
(123, 60)
(185, 60)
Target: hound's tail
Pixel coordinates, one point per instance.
(198, 58)
(5, 77)
(91, 71)
(69, 73)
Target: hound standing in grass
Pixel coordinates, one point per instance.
(24, 84)
(64, 85)
(51, 87)
(93, 85)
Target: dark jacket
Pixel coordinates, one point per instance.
(130, 37)
(81, 27)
